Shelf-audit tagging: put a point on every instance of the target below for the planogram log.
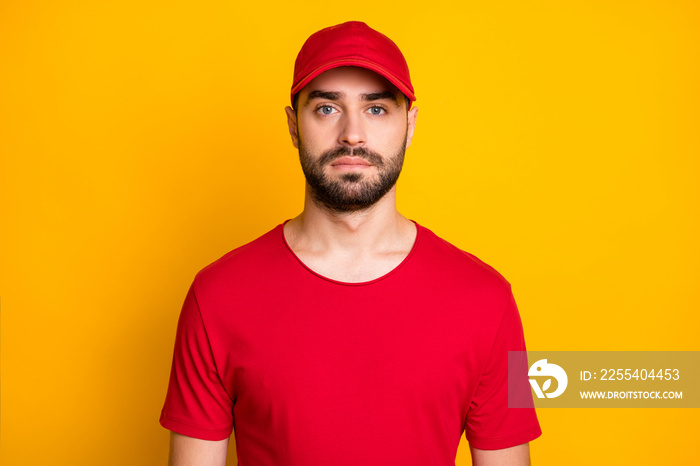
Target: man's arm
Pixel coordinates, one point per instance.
(189, 451)
(513, 456)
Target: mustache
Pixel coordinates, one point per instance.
(370, 156)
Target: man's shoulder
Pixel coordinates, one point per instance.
(246, 259)
(444, 255)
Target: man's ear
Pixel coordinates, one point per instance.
(412, 114)
(292, 123)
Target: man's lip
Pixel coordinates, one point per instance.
(351, 161)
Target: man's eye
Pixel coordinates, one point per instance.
(326, 109)
(376, 110)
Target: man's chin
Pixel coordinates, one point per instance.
(343, 198)
(346, 207)
(351, 177)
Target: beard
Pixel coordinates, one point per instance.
(352, 191)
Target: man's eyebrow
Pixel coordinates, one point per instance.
(369, 97)
(325, 95)
(388, 95)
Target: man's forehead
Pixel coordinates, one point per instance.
(351, 81)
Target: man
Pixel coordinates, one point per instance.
(348, 335)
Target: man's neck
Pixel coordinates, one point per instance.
(377, 229)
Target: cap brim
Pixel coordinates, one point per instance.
(354, 62)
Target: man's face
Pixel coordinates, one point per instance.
(351, 128)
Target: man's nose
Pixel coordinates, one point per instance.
(352, 132)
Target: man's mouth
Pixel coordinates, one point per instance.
(350, 163)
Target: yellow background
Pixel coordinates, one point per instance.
(141, 140)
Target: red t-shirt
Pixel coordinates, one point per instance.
(313, 371)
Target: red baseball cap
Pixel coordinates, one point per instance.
(351, 44)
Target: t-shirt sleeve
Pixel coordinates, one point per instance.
(197, 404)
(490, 423)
